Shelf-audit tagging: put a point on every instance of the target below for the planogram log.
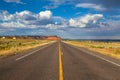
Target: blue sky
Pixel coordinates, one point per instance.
(74, 19)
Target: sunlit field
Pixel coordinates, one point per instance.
(13, 46)
(107, 48)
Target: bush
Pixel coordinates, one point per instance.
(101, 47)
(117, 51)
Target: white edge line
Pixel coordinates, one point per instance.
(32, 52)
(97, 56)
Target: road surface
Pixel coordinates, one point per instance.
(59, 61)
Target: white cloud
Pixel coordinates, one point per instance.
(28, 22)
(14, 1)
(91, 6)
(45, 14)
(45, 18)
(76, 23)
(51, 26)
(84, 21)
(12, 25)
(91, 18)
(5, 16)
(23, 13)
(55, 4)
(115, 16)
(27, 19)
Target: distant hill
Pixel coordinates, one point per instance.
(32, 37)
(99, 40)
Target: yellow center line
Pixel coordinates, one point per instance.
(60, 63)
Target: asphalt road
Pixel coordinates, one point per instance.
(59, 62)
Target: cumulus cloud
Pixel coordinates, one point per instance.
(91, 6)
(45, 18)
(108, 29)
(23, 15)
(45, 14)
(14, 1)
(86, 20)
(5, 16)
(27, 22)
(27, 17)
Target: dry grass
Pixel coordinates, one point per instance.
(13, 46)
(107, 48)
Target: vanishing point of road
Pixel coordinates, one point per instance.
(59, 61)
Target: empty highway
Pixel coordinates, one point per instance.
(59, 61)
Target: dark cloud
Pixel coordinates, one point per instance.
(42, 22)
(29, 18)
(108, 3)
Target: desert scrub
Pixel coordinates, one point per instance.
(117, 51)
(12, 46)
(106, 48)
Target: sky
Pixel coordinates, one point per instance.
(72, 19)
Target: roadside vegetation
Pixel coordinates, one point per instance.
(13, 46)
(107, 48)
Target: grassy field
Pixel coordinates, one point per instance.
(107, 48)
(13, 46)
